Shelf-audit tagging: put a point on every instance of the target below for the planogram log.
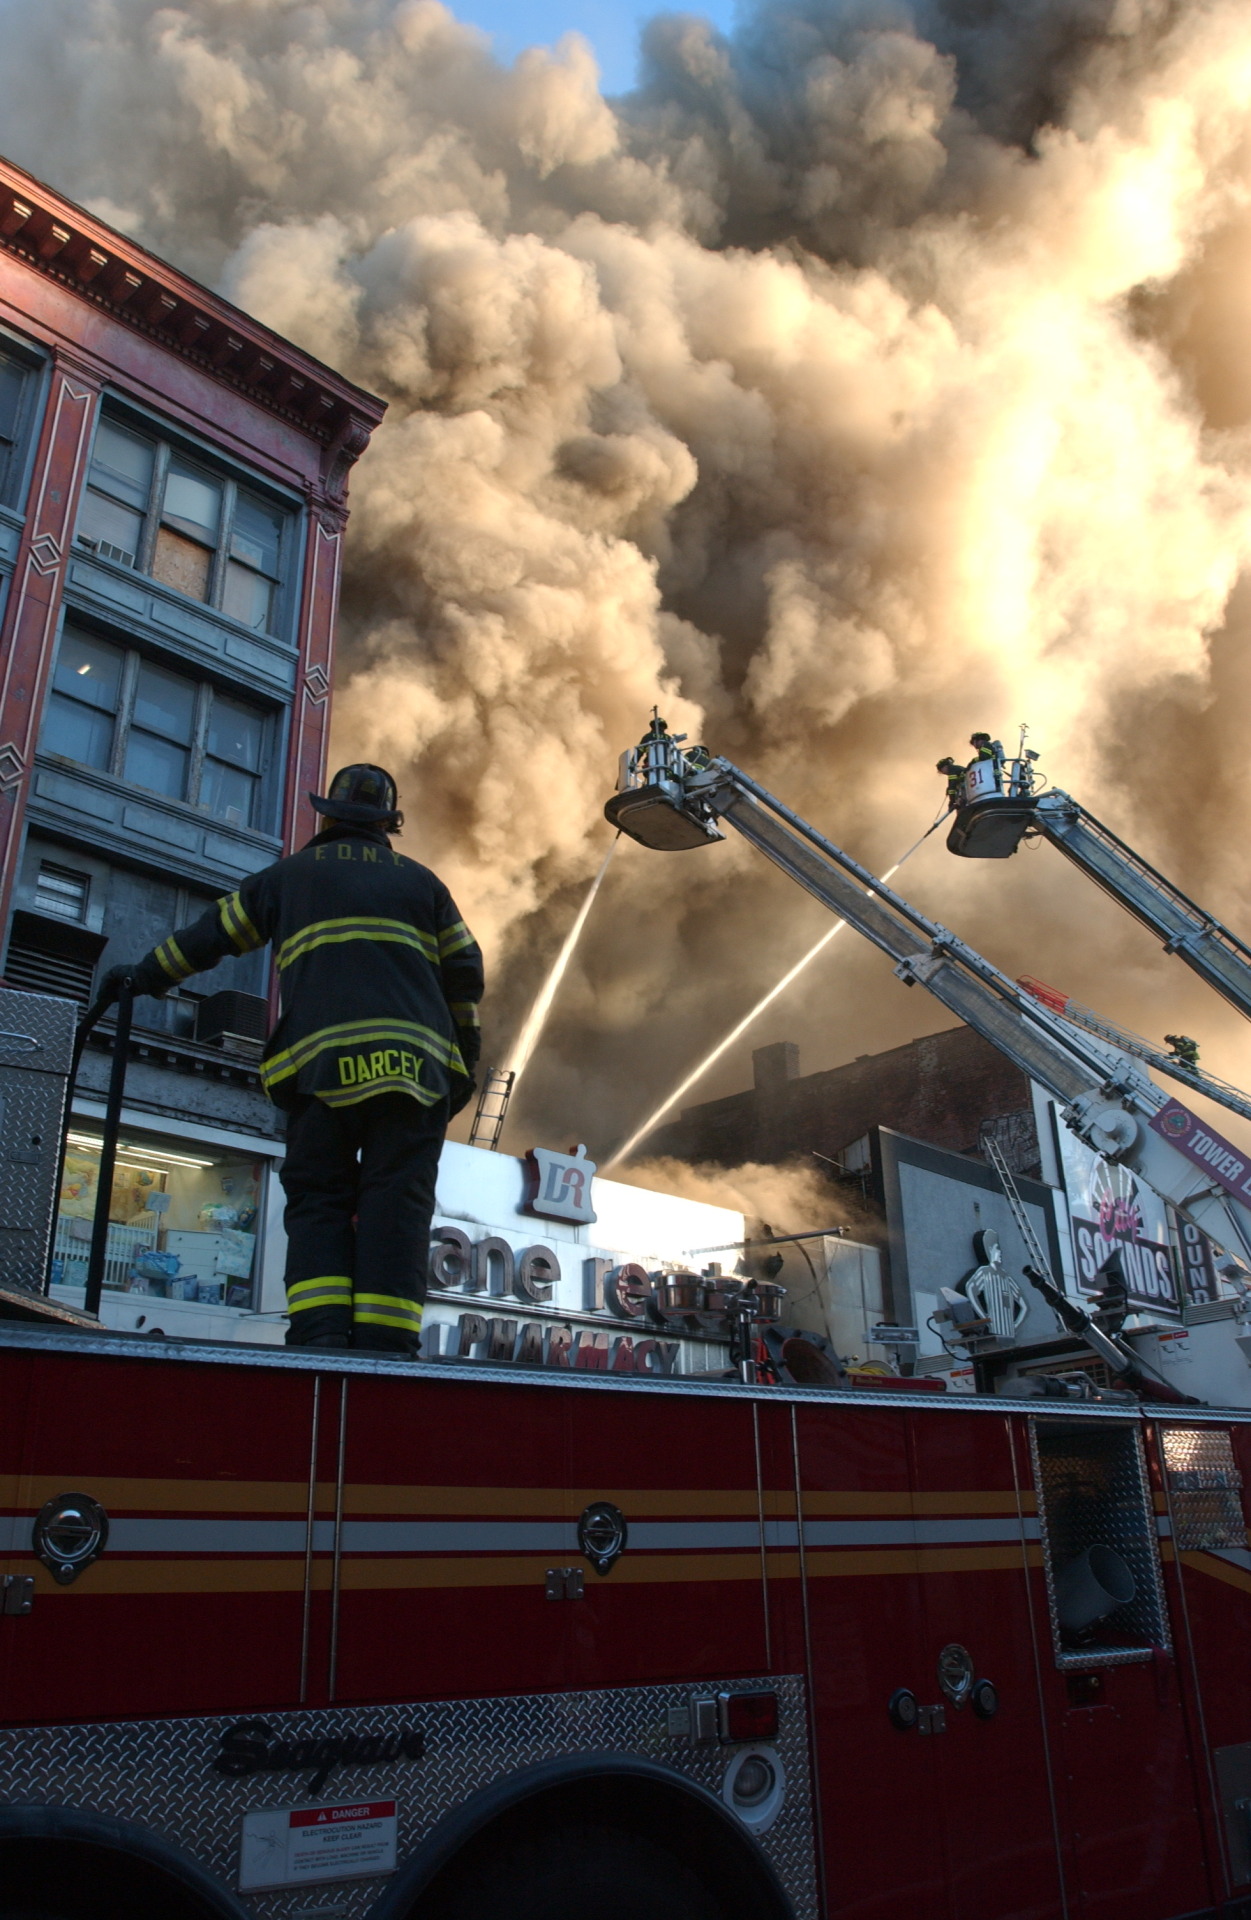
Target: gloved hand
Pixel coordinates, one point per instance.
(459, 1100)
(136, 973)
(110, 988)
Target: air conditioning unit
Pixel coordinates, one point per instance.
(107, 550)
(235, 1021)
(52, 956)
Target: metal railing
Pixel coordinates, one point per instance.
(101, 1226)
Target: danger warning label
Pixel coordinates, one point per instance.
(288, 1846)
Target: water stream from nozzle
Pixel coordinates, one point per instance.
(536, 1019)
(736, 1032)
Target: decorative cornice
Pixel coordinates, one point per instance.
(66, 244)
(344, 450)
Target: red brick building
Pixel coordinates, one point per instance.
(172, 507)
(940, 1090)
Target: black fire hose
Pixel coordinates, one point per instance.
(1113, 1352)
(108, 1144)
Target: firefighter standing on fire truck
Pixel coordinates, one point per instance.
(375, 1049)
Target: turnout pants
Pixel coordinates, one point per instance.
(359, 1182)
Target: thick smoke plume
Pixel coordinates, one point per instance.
(876, 376)
(789, 1198)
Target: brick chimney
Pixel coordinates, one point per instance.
(773, 1066)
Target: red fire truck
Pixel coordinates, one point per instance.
(293, 1634)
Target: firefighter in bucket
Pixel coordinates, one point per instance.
(375, 1049)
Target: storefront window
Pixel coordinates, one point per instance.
(182, 1219)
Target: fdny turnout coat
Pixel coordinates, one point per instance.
(379, 976)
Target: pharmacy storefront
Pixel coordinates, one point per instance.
(534, 1261)
(195, 1243)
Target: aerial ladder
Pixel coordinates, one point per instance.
(1000, 804)
(672, 799)
(1178, 1066)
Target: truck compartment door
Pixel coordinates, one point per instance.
(975, 1528)
(1127, 1789)
(194, 1601)
(456, 1510)
(877, 1760)
(1203, 1473)
(683, 1597)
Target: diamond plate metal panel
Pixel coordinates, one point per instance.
(159, 1773)
(1092, 1487)
(32, 1113)
(36, 1031)
(1204, 1488)
(36, 1042)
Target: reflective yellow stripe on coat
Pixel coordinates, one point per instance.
(327, 933)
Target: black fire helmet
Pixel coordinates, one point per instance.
(361, 796)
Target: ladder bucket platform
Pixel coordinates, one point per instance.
(655, 821)
(992, 828)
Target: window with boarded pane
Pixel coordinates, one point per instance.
(18, 379)
(186, 540)
(150, 506)
(114, 710)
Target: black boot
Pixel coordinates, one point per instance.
(392, 1346)
(337, 1342)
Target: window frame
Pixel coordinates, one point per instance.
(55, 871)
(13, 487)
(174, 1016)
(206, 690)
(79, 705)
(169, 444)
